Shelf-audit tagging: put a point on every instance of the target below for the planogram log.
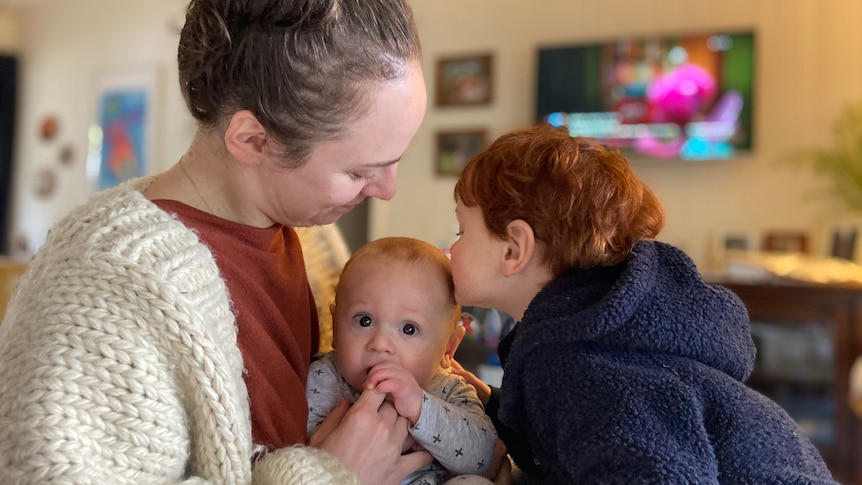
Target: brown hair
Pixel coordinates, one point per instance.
(581, 198)
(304, 68)
(407, 250)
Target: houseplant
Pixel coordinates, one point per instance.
(842, 162)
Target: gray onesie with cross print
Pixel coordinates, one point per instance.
(453, 426)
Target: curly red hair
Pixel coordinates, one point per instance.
(581, 198)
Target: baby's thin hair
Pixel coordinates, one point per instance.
(407, 250)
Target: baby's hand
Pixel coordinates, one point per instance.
(482, 390)
(401, 385)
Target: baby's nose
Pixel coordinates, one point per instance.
(380, 343)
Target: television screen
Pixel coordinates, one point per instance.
(663, 97)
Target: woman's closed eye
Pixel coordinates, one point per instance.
(361, 176)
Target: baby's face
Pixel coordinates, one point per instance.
(391, 311)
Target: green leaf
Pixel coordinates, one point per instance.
(842, 163)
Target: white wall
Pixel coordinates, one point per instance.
(9, 32)
(809, 68)
(67, 49)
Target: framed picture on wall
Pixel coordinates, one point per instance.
(456, 148)
(842, 238)
(786, 241)
(733, 241)
(121, 136)
(838, 236)
(844, 242)
(465, 80)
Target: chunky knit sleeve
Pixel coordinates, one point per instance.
(118, 361)
(301, 466)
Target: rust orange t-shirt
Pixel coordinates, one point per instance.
(275, 313)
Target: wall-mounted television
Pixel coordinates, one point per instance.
(666, 97)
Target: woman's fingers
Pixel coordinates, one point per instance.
(368, 437)
(333, 419)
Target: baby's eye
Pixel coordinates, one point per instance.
(363, 320)
(460, 232)
(410, 329)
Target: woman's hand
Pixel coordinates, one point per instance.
(367, 438)
(501, 468)
(482, 390)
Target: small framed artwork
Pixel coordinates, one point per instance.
(48, 127)
(45, 183)
(732, 241)
(67, 154)
(844, 242)
(838, 236)
(842, 239)
(456, 148)
(787, 241)
(120, 140)
(737, 241)
(466, 80)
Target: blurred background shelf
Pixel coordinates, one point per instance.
(807, 337)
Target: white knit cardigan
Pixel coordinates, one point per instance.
(119, 362)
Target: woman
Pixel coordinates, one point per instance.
(163, 333)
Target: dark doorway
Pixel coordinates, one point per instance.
(8, 84)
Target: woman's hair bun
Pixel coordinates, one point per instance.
(280, 14)
(302, 67)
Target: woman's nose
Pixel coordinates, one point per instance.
(383, 187)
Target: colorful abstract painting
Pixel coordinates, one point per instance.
(123, 117)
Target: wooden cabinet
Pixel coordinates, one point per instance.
(9, 273)
(807, 338)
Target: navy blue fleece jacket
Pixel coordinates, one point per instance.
(634, 374)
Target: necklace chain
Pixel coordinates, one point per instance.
(186, 173)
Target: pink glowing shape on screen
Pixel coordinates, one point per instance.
(681, 94)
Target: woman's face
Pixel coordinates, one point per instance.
(342, 173)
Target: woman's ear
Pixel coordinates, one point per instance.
(452, 345)
(519, 247)
(245, 138)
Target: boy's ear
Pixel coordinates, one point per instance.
(452, 345)
(245, 138)
(519, 247)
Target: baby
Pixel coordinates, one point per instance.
(395, 330)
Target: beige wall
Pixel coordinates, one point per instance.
(67, 49)
(9, 32)
(809, 68)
